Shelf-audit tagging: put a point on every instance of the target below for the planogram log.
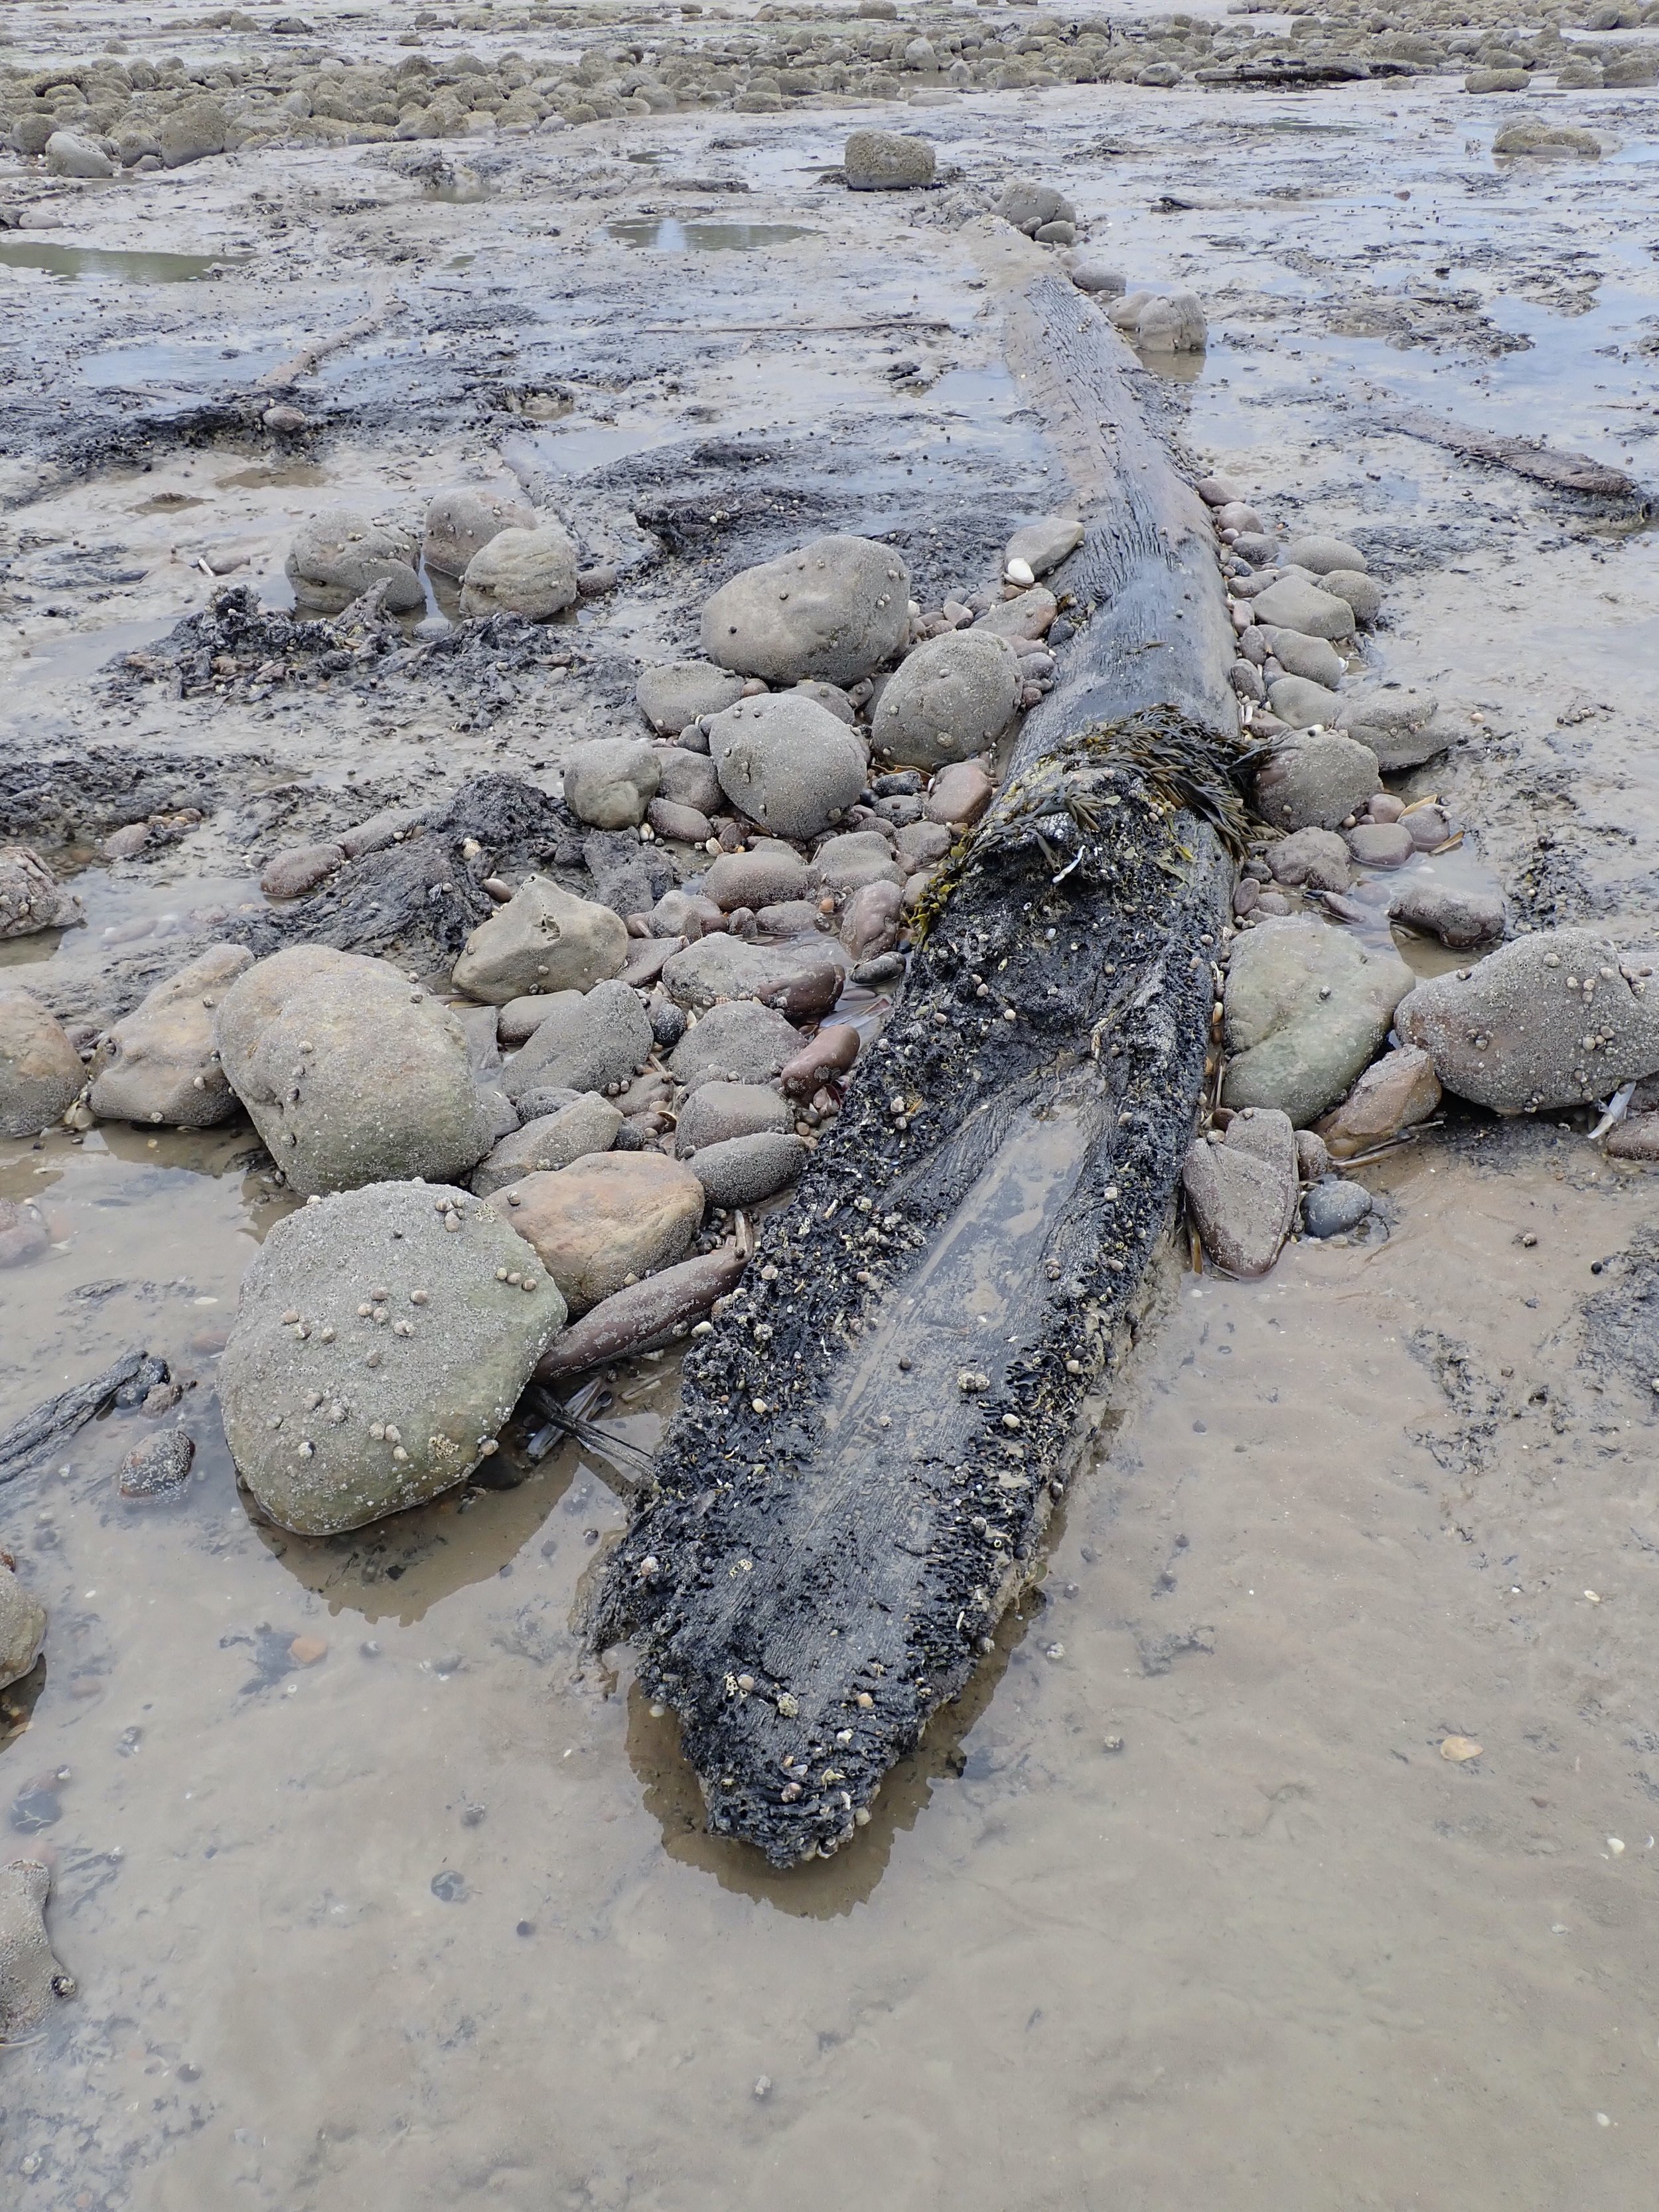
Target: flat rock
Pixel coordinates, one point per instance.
(350, 1073)
(1242, 1191)
(1395, 1093)
(1092, 274)
(22, 1628)
(40, 1071)
(678, 825)
(836, 610)
(522, 572)
(156, 1467)
(923, 845)
(548, 1142)
(161, 1062)
(1306, 1007)
(1460, 916)
(741, 1041)
(544, 938)
(336, 1416)
(1394, 724)
(1521, 1031)
(588, 1041)
(461, 521)
(336, 557)
(610, 781)
(787, 763)
(802, 980)
(1029, 615)
(681, 691)
(949, 699)
(1316, 781)
(1043, 544)
(605, 1220)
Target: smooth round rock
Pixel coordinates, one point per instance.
(604, 1217)
(949, 699)
(681, 691)
(716, 1112)
(303, 1402)
(335, 558)
(743, 1170)
(1334, 1206)
(787, 763)
(836, 610)
(161, 1062)
(461, 521)
(544, 939)
(610, 781)
(1318, 554)
(40, 1071)
(521, 572)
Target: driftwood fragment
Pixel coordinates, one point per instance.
(872, 1434)
(1558, 468)
(134, 1372)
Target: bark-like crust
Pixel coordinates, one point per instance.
(872, 1439)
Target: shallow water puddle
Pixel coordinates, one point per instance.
(186, 362)
(669, 234)
(128, 264)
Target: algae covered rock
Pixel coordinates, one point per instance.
(381, 1339)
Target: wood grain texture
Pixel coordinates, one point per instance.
(871, 1439)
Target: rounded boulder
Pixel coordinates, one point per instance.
(836, 610)
(787, 763)
(606, 1220)
(949, 699)
(336, 557)
(521, 572)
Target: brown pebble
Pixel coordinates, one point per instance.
(307, 1650)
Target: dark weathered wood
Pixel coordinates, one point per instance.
(49, 1423)
(1558, 468)
(873, 1435)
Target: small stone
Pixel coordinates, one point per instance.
(1331, 1207)
(604, 1217)
(1242, 1192)
(157, 1467)
(1395, 1093)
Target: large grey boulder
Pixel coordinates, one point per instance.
(381, 1339)
(548, 1142)
(1316, 781)
(589, 1042)
(161, 1062)
(71, 153)
(338, 555)
(521, 572)
(543, 938)
(40, 1071)
(742, 1041)
(787, 763)
(1551, 1019)
(1161, 322)
(948, 700)
(886, 162)
(461, 521)
(1298, 603)
(1318, 857)
(1318, 554)
(610, 781)
(1306, 1007)
(837, 609)
(191, 131)
(1460, 915)
(22, 1628)
(350, 1073)
(682, 691)
(1242, 1190)
(803, 981)
(31, 897)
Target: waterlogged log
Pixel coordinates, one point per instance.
(873, 1435)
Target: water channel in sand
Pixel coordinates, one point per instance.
(1183, 1903)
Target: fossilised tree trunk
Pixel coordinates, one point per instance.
(871, 1439)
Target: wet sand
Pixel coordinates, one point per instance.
(430, 1920)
